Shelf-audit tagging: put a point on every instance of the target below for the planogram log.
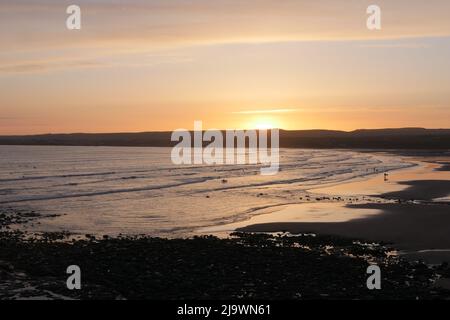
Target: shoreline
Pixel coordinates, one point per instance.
(407, 214)
(313, 195)
(240, 266)
(206, 205)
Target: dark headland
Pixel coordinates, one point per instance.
(404, 138)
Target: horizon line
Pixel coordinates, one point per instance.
(235, 129)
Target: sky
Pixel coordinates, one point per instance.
(160, 65)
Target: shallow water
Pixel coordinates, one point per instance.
(305, 212)
(111, 190)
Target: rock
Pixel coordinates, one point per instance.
(442, 283)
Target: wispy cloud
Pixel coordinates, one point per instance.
(43, 66)
(162, 23)
(266, 111)
(121, 27)
(112, 60)
(395, 46)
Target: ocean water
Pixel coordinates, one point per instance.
(112, 190)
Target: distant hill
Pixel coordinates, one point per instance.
(404, 138)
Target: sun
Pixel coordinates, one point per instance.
(263, 123)
(263, 126)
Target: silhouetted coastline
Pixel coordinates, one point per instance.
(404, 138)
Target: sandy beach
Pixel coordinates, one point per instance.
(409, 208)
(405, 212)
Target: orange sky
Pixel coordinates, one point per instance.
(160, 65)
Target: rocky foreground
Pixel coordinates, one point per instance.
(245, 266)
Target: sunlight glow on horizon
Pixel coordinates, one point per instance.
(159, 65)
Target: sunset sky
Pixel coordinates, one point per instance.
(161, 64)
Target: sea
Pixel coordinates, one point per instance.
(138, 190)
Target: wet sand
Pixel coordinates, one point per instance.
(411, 215)
(395, 181)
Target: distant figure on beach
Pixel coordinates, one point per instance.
(386, 175)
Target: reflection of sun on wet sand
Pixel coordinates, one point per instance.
(402, 210)
(396, 181)
(296, 213)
